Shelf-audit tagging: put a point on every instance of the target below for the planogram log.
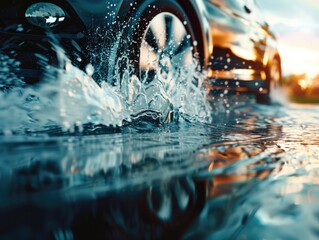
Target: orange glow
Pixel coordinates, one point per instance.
(299, 60)
(305, 83)
(296, 27)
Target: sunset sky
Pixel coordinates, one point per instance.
(296, 24)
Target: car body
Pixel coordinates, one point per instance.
(232, 42)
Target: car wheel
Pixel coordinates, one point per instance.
(162, 47)
(274, 80)
(263, 98)
(275, 74)
(166, 48)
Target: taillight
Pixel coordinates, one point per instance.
(45, 15)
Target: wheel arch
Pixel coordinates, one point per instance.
(195, 12)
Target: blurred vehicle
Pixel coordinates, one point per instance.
(229, 38)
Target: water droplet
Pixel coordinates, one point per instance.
(89, 69)
(20, 28)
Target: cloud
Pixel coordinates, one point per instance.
(300, 12)
(285, 17)
(297, 28)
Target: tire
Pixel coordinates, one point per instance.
(273, 81)
(275, 74)
(157, 58)
(263, 98)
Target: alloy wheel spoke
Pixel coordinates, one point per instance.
(157, 26)
(150, 38)
(147, 62)
(183, 46)
(169, 32)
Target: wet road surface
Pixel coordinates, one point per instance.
(250, 174)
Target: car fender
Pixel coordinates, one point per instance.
(95, 13)
(198, 13)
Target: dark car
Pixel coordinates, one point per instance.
(229, 39)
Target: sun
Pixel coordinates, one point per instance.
(299, 60)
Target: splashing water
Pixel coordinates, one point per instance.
(69, 98)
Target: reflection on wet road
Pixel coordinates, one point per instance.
(251, 174)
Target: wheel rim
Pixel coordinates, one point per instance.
(166, 49)
(172, 200)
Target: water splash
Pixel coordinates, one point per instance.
(69, 98)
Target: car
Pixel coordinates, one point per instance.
(230, 41)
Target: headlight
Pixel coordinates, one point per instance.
(45, 15)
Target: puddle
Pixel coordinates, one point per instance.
(252, 175)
